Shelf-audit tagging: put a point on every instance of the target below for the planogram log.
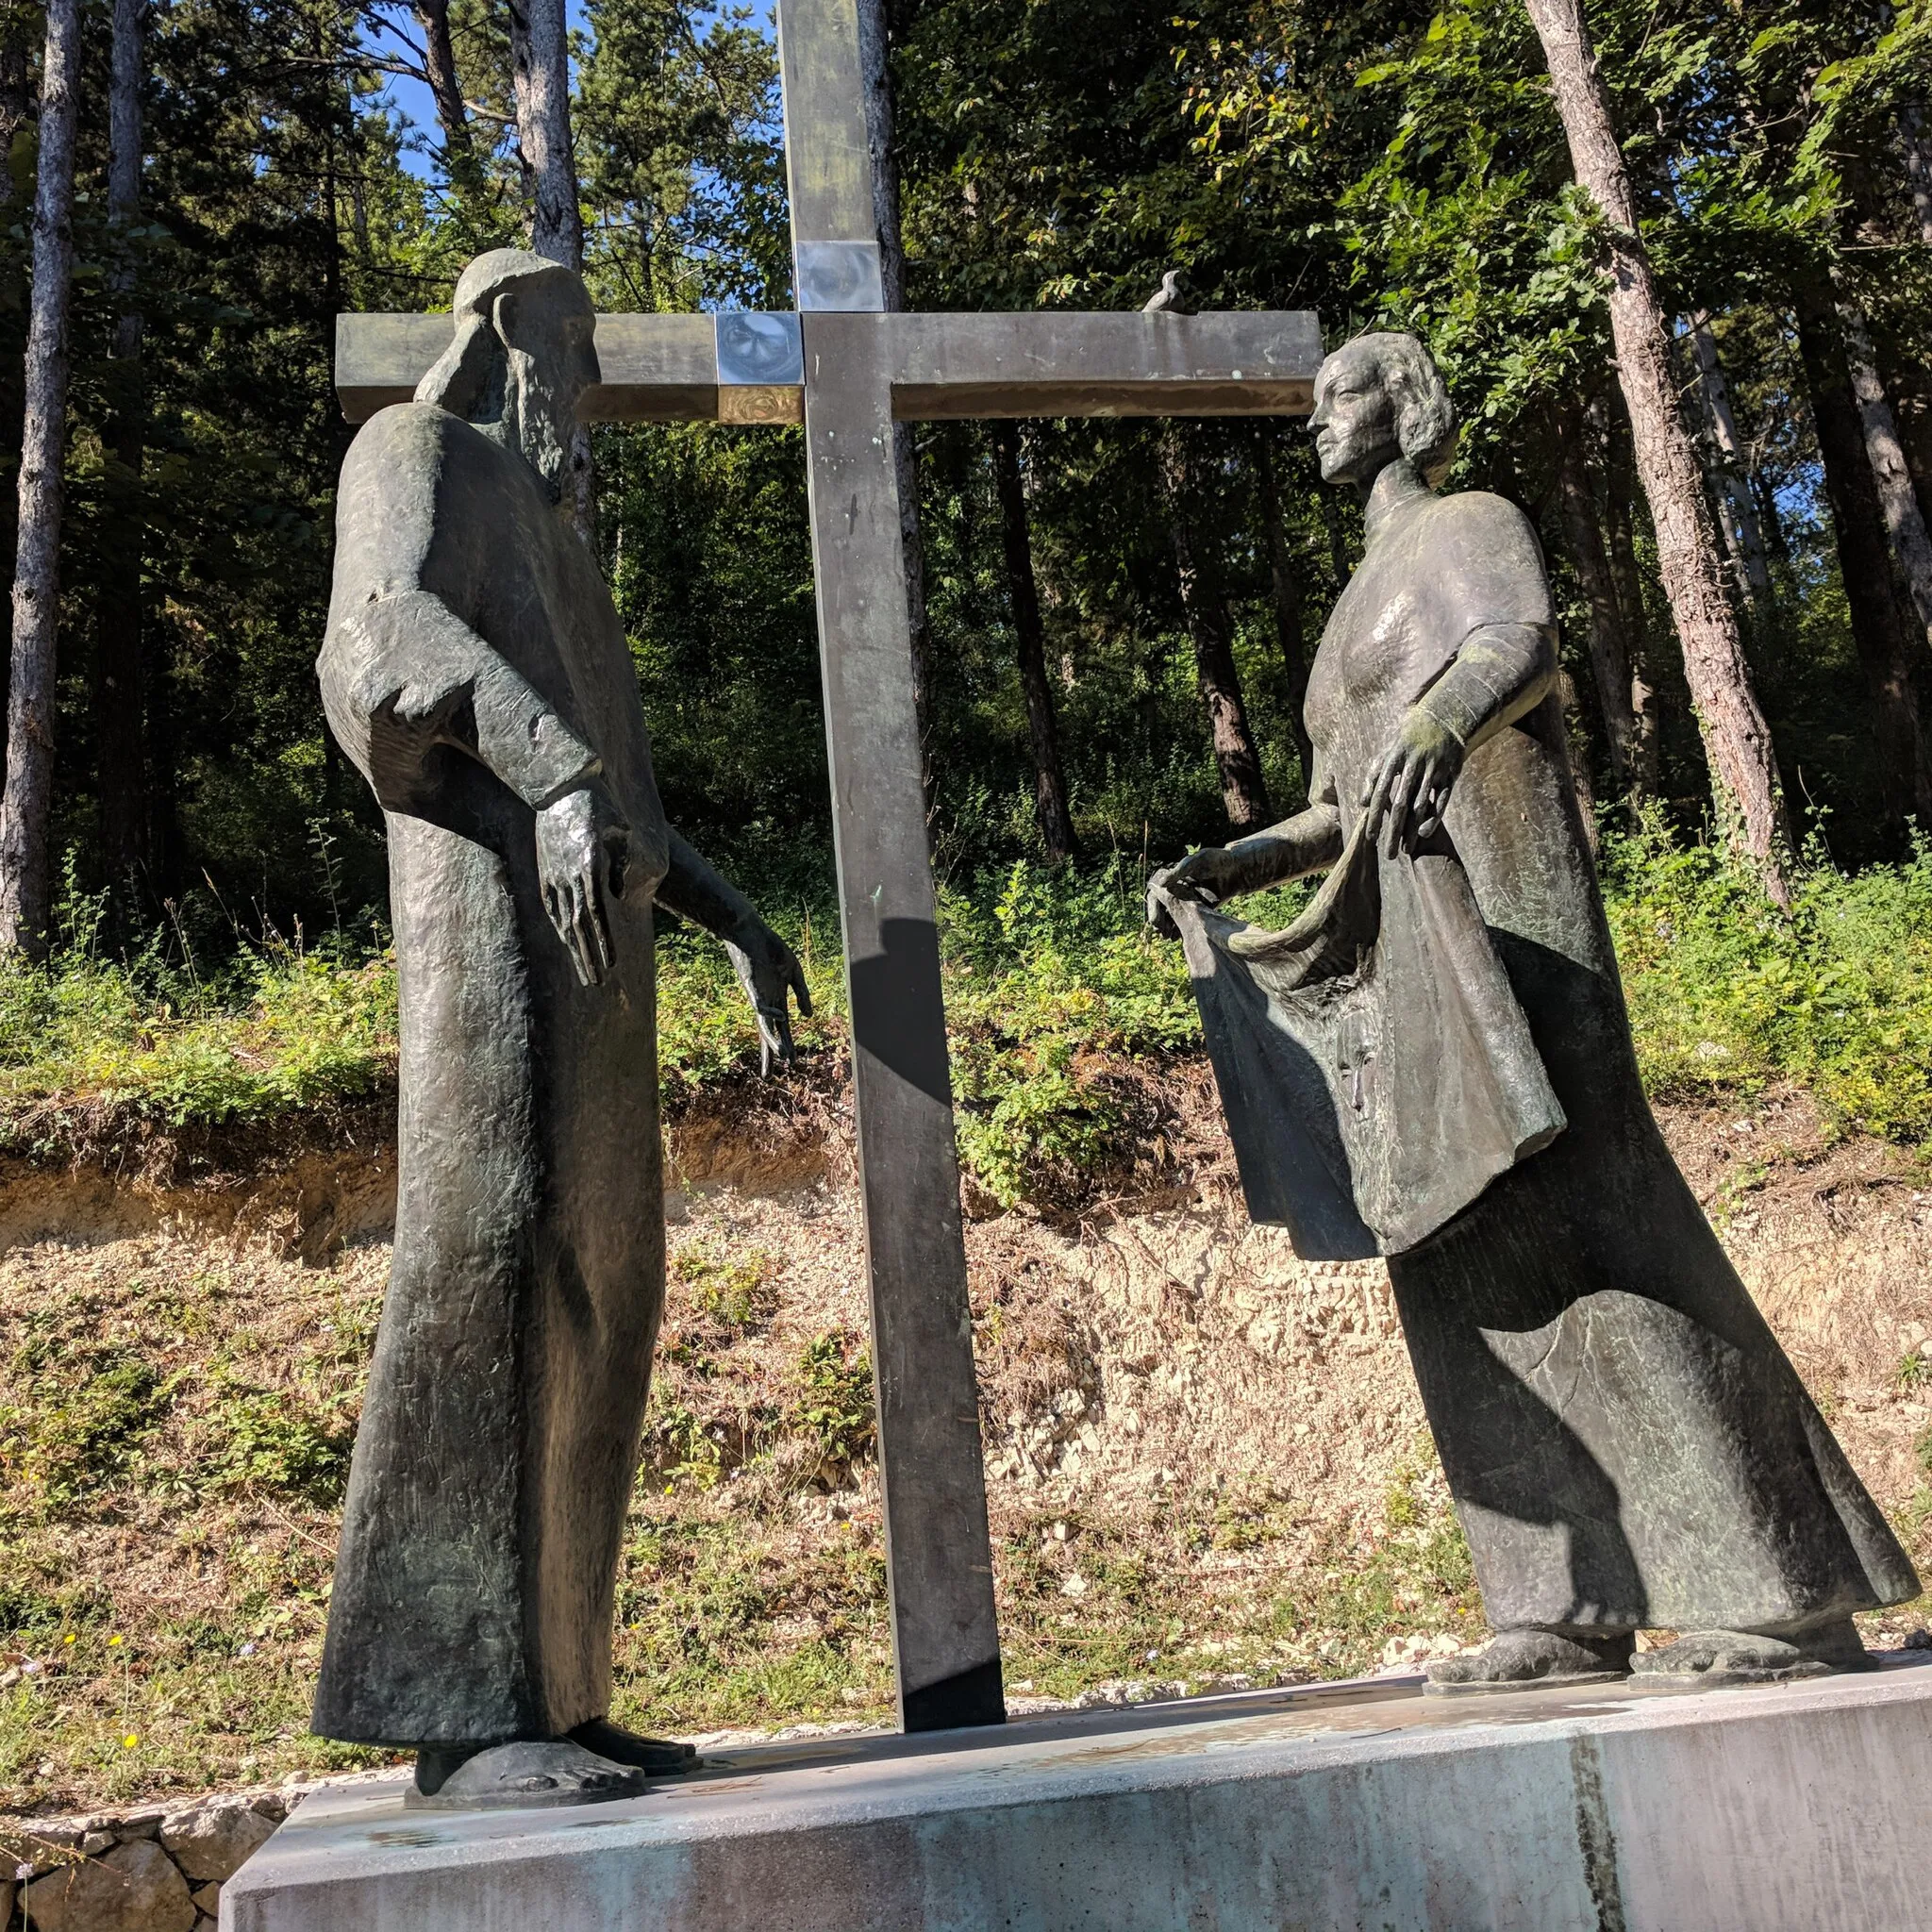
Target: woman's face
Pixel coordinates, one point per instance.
(1355, 417)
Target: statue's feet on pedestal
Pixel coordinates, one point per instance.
(1532, 1659)
(520, 1776)
(1707, 1660)
(661, 1757)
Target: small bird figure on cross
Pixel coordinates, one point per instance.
(1173, 297)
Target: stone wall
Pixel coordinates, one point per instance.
(158, 1869)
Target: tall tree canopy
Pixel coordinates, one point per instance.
(1390, 164)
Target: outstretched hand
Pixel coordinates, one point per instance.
(768, 970)
(1408, 791)
(1201, 875)
(583, 851)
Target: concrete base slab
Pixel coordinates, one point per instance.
(1363, 1806)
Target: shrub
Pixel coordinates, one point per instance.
(835, 1406)
(1726, 993)
(267, 1441)
(81, 1422)
(738, 1294)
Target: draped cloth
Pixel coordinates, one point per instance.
(1434, 1062)
(1376, 1071)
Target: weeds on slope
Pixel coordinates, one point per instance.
(1065, 1013)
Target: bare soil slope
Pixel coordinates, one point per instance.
(1208, 1461)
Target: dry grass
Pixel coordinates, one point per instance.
(1207, 1459)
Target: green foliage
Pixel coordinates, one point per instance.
(268, 1441)
(1054, 982)
(1726, 994)
(740, 1292)
(1062, 1010)
(706, 1028)
(271, 1032)
(679, 1445)
(834, 1405)
(81, 1422)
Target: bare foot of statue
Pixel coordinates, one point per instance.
(662, 1757)
(1520, 1659)
(1706, 1660)
(525, 1775)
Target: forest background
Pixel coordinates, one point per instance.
(1118, 618)
(1115, 630)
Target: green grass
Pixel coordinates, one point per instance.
(1062, 1009)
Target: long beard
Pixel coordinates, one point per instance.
(544, 424)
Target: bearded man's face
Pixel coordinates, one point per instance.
(549, 333)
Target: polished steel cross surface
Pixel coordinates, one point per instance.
(848, 370)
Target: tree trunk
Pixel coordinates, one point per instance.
(1750, 799)
(1769, 520)
(1646, 747)
(1286, 587)
(1730, 470)
(1203, 603)
(1912, 132)
(1609, 661)
(1898, 503)
(445, 89)
(118, 655)
(27, 800)
(1878, 624)
(874, 66)
(540, 75)
(1050, 808)
(1908, 383)
(16, 105)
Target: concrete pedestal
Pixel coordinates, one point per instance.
(1364, 1805)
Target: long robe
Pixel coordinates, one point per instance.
(474, 668)
(1627, 1443)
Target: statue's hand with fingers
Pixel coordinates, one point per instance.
(1407, 791)
(769, 971)
(583, 852)
(1203, 874)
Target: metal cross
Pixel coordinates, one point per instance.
(848, 372)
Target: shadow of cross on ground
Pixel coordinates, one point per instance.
(848, 370)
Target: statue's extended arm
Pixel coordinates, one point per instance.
(404, 678)
(1308, 841)
(767, 968)
(1500, 673)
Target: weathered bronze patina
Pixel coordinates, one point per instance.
(1435, 1063)
(475, 671)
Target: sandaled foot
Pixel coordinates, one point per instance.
(527, 1777)
(661, 1757)
(1526, 1659)
(1707, 1660)
(437, 1763)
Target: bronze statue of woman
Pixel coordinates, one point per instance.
(1445, 1032)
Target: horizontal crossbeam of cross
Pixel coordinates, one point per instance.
(751, 367)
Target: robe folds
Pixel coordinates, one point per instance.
(1627, 1443)
(474, 668)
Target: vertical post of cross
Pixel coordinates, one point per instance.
(938, 1548)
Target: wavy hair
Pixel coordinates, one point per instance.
(468, 377)
(1425, 424)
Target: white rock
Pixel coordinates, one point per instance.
(134, 1889)
(212, 1840)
